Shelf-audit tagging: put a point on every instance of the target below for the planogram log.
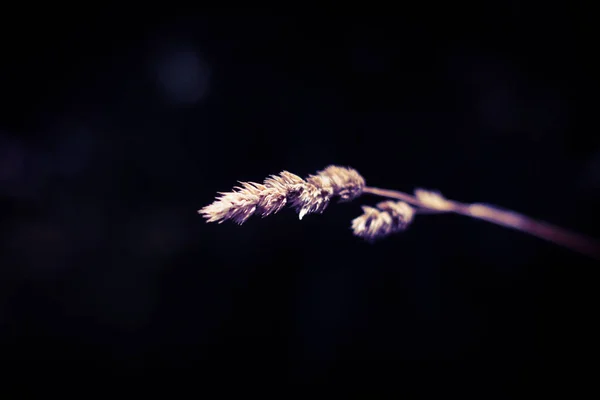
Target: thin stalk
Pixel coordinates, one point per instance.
(510, 219)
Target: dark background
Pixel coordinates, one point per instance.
(115, 128)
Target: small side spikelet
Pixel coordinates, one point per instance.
(433, 200)
(389, 217)
(305, 196)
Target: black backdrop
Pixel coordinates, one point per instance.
(117, 127)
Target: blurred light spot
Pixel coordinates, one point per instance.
(182, 75)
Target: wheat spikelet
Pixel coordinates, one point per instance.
(389, 217)
(305, 196)
(347, 183)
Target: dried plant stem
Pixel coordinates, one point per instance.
(510, 219)
(313, 194)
